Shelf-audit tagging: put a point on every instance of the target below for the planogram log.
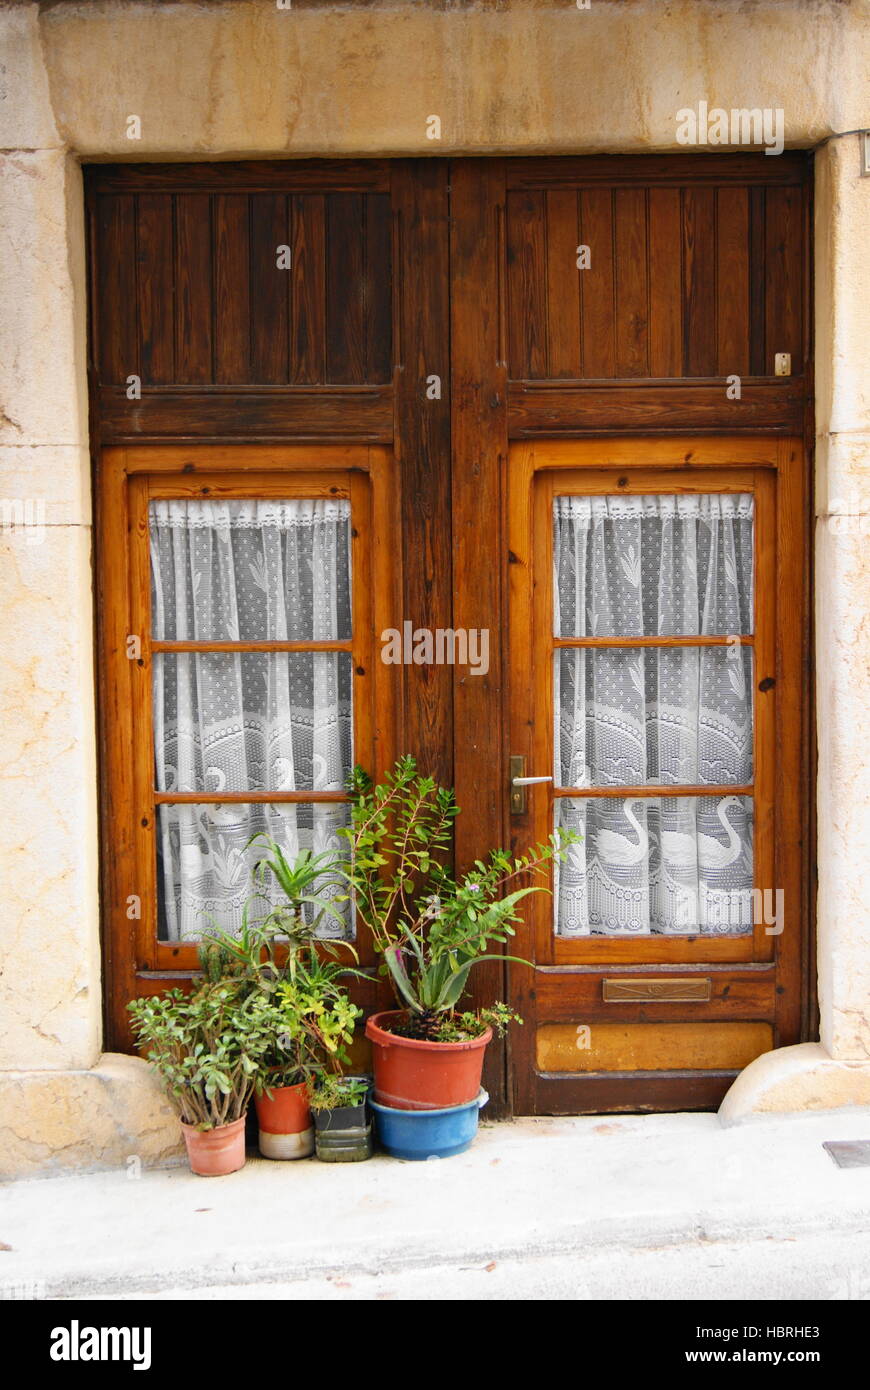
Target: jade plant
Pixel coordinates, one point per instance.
(431, 928)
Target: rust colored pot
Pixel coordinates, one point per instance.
(212, 1153)
(285, 1125)
(411, 1074)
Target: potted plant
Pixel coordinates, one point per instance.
(431, 930)
(279, 958)
(422, 1134)
(342, 1123)
(208, 1047)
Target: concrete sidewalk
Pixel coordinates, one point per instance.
(597, 1207)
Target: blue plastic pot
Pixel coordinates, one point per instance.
(420, 1134)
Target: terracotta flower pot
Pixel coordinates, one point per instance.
(411, 1074)
(212, 1153)
(286, 1131)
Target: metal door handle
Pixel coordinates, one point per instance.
(518, 781)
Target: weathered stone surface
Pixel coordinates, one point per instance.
(43, 387)
(793, 1079)
(843, 481)
(49, 932)
(45, 482)
(112, 1116)
(843, 697)
(26, 117)
(248, 79)
(842, 287)
(842, 200)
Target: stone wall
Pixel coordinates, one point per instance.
(246, 79)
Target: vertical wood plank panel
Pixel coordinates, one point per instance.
(793, 792)
(308, 301)
(632, 315)
(563, 284)
(666, 285)
(757, 290)
(783, 261)
(115, 703)
(270, 289)
(378, 288)
(193, 281)
(479, 422)
(732, 280)
(115, 311)
(699, 281)
(527, 292)
(423, 449)
(596, 232)
(232, 289)
(345, 288)
(156, 288)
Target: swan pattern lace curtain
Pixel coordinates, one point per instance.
(647, 566)
(245, 571)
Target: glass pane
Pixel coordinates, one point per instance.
(663, 866)
(204, 865)
(250, 570)
(651, 566)
(253, 721)
(629, 717)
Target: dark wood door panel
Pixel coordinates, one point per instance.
(629, 1093)
(255, 288)
(698, 279)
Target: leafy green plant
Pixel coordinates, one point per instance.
(456, 1027)
(280, 958)
(314, 1028)
(332, 1091)
(312, 884)
(208, 1047)
(430, 928)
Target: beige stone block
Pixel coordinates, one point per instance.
(43, 388)
(48, 485)
(842, 288)
(843, 481)
(843, 698)
(26, 117)
(49, 936)
(248, 79)
(794, 1079)
(113, 1116)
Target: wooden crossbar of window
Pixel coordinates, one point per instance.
(242, 798)
(663, 789)
(337, 645)
(744, 640)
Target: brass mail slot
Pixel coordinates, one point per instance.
(660, 991)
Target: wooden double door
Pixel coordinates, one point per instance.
(551, 397)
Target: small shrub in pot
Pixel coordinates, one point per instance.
(208, 1047)
(341, 1118)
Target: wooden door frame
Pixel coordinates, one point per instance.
(489, 413)
(755, 978)
(453, 449)
(135, 962)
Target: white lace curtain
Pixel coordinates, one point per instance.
(246, 571)
(654, 566)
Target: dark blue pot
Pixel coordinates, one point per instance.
(420, 1134)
